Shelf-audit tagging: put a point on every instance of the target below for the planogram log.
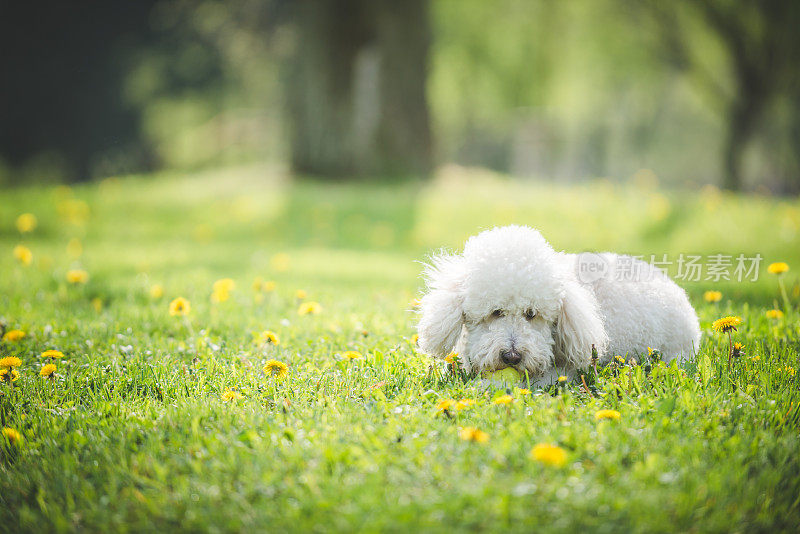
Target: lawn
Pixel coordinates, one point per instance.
(160, 422)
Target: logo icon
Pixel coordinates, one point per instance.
(591, 267)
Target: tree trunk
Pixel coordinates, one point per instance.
(357, 90)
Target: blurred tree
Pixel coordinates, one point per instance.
(63, 66)
(356, 93)
(762, 47)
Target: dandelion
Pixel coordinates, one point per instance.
(309, 308)
(451, 358)
(47, 370)
(231, 395)
(445, 405)
(415, 339)
(10, 361)
(13, 335)
(737, 349)
(221, 289)
(619, 359)
(470, 433)
(352, 355)
(77, 276)
(7, 375)
(549, 454)
(23, 254)
(774, 314)
(156, 291)
(74, 247)
(607, 414)
(755, 358)
(26, 223)
(270, 337)
(269, 286)
(727, 324)
(280, 262)
(14, 437)
(179, 306)
(524, 391)
(778, 268)
(276, 369)
(52, 354)
(562, 380)
(463, 403)
(712, 296)
(503, 400)
(300, 294)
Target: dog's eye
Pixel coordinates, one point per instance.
(498, 313)
(530, 314)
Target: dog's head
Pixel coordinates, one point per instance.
(508, 301)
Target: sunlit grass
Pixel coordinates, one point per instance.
(160, 421)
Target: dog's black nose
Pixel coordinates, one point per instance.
(510, 357)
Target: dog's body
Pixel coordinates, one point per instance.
(510, 300)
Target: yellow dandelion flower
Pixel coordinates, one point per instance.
(726, 324)
(549, 454)
(52, 354)
(179, 306)
(352, 355)
(712, 296)
(607, 414)
(224, 285)
(415, 339)
(26, 223)
(258, 283)
(309, 308)
(300, 294)
(74, 247)
(774, 314)
(276, 369)
(231, 395)
(778, 268)
(737, 350)
(10, 361)
(280, 262)
(444, 405)
(562, 380)
(23, 254)
(268, 336)
(220, 296)
(464, 403)
(12, 435)
(503, 400)
(451, 358)
(47, 370)
(156, 291)
(524, 391)
(77, 276)
(269, 286)
(13, 335)
(5, 376)
(619, 359)
(470, 433)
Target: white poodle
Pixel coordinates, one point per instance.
(510, 300)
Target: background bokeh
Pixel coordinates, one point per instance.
(685, 93)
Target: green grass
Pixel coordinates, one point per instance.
(132, 434)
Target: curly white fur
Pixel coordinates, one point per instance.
(510, 300)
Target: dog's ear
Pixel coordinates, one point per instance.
(442, 307)
(579, 326)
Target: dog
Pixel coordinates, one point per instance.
(510, 300)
